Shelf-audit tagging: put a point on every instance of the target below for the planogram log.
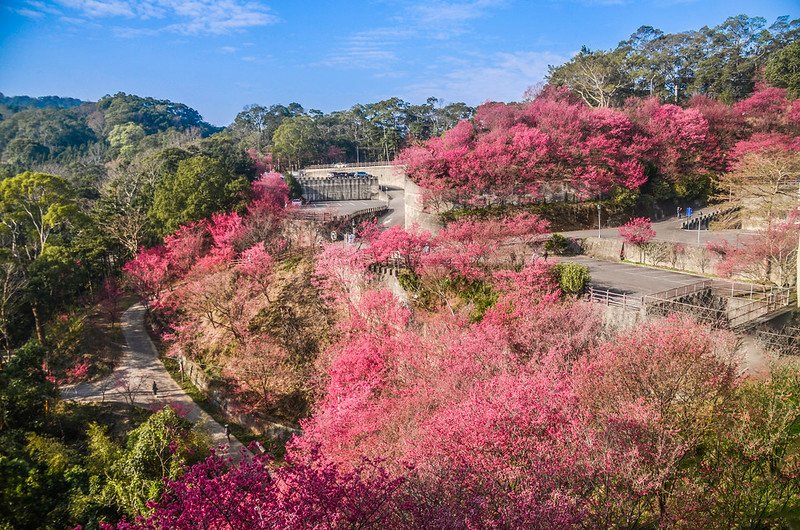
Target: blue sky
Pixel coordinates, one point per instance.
(327, 54)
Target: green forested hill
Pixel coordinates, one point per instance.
(15, 103)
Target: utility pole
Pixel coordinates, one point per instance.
(599, 235)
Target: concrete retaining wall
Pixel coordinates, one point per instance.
(416, 214)
(617, 318)
(678, 256)
(338, 188)
(670, 254)
(388, 175)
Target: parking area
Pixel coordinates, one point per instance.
(632, 280)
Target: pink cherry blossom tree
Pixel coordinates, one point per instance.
(639, 232)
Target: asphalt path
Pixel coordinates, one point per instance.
(395, 215)
(341, 207)
(633, 280)
(397, 208)
(669, 230)
(132, 383)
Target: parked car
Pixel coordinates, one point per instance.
(297, 202)
(361, 174)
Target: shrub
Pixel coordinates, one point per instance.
(572, 277)
(557, 244)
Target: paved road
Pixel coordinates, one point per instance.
(397, 208)
(632, 280)
(669, 230)
(132, 382)
(341, 207)
(396, 214)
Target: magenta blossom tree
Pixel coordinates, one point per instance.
(639, 232)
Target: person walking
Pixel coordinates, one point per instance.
(155, 389)
(680, 211)
(546, 255)
(228, 432)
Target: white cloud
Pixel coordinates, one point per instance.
(228, 49)
(100, 8)
(446, 19)
(187, 17)
(369, 49)
(503, 76)
(30, 13)
(210, 17)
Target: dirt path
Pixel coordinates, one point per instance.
(132, 382)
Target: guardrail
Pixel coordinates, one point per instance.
(684, 290)
(786, 342)
(350, 164)
(764, 300)
(612, 298)
(777, 298)
(327, 217)
(739, 289)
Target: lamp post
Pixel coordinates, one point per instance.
(599, 235)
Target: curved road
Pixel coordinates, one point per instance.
(132, 383)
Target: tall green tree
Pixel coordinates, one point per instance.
(296, 142)
(599, 78)
(783, 69)
(34, 207)
(200, 186)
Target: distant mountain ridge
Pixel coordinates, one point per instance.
(24, 102)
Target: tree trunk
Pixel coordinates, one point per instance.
(37, 324)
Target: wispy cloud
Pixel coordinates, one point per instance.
(501, 76)
(446, 18)
(37, 9)
(373, 48)
(415, 21)
(101, 8)
(229, 49)
(30, 13)
(186, 17)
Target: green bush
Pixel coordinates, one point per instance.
(572, 277)
(557, 244)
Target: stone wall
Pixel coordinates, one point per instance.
(618, 318)
(338, 188)
(389, 175)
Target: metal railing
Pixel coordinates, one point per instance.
(785, 342)
(763, 301)
(710, 315)
(612, 298)
(351, 164)
(777, 298)
(321, 214)
(684, 290)
(739, 289)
